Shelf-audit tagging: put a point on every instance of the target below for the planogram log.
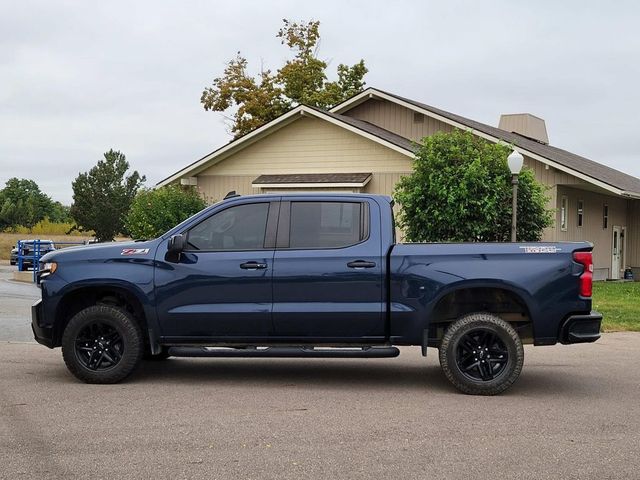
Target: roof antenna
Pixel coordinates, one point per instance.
(231, 194)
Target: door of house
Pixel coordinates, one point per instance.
(617, 252)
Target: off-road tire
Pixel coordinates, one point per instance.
(476, 325)
(116, 319)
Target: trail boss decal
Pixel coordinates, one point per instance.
(134, 251)
(540, 249)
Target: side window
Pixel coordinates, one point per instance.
(580, 212)
(327, 224)
(237, 228)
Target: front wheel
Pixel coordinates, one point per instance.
(481, 354)
(102, 344)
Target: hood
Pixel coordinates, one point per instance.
(104, 251)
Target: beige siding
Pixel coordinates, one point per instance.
(549, 175)
(383, 183)
(310, 145)
(633, 236)
(398, 119)
(551, 178)
(592, 229)
(214, 187)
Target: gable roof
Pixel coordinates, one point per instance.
(592, 172)
(359, 127)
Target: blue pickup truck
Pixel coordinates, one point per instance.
(312, 275)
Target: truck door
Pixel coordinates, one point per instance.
(221, 285)
(327, 273)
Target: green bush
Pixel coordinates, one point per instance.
(460, 191)
(153, 212)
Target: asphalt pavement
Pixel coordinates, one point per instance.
(573, 414)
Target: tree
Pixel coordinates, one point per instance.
(102, 197)
(59, 213)
(22, 203)
(302, 79)
(153, 212)
(460, 191)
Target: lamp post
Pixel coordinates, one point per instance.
(515, 161)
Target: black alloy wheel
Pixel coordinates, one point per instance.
(481, 355)
(99, 346)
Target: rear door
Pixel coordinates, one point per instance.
(327, 271)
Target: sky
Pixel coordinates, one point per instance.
(78, 78)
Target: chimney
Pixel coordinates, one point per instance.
(526, 125)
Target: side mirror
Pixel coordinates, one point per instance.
(177, 243)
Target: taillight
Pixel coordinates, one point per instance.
(586, 278)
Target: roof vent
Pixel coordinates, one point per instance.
(526, 125)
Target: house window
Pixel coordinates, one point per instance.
(563, 213)
(605, 216)
(418, 117)
(580, 212)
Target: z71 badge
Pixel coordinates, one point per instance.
(134, 251)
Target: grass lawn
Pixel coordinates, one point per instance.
(619, 303)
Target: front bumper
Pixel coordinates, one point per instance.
(43, 335)
(581, 328)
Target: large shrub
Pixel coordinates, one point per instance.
(153, 212)
(103, 195)
(460, 191)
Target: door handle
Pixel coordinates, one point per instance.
(253, 265)
(361, 264)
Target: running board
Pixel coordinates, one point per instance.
(285, 352)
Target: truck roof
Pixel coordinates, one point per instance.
(232, 196)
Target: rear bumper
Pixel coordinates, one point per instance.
(43, 335)
(581, 328)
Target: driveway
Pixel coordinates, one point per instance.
(573, 414)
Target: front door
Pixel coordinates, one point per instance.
(328, 272)
(617, 252)
(220, 288)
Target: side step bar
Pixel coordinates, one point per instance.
(285, 352)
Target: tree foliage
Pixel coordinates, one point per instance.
(460, 191)
(102, 197)
(59, 213)
(302, 79)
(22, 203)
(153, 212)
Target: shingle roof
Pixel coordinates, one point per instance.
(588, 167)
(359, 178)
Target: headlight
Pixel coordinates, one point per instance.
(48, 268)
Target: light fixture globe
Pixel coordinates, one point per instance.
(515, 161)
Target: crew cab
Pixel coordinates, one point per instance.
(310, 275)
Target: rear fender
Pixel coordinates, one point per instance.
(523, 295)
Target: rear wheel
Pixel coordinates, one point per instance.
(481, 354)
(102, 344)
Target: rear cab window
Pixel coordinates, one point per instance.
(327, 224)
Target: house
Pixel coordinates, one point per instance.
(366, 144)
